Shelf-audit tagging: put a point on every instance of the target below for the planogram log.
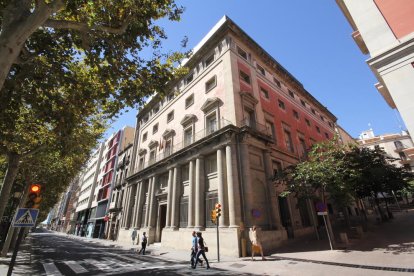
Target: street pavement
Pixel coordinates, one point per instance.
(386, 249)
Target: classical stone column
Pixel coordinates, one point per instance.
(152, 212)
(138, 206)
(221, 191)
(169, 197)
(128, 207)
(230, 187)
(199, 194)
(124, 195)
(175, 205)
(134, 208)
(147, 202)
(191, 195)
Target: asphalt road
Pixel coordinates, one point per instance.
(52, 254)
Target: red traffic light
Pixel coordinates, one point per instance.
(218, 205)
(34, 198)
(35, 188)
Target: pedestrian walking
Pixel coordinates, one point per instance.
(256, 242)
(144, 241)
(194, 249)
(201, 250)
(133, 236)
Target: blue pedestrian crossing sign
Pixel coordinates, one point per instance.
(25, 217)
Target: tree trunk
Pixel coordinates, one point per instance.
(382, 215)
(346, 216)
(12, 169)
(390, 215)
(20, 21)
(12, 230)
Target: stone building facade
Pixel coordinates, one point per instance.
(221, 136)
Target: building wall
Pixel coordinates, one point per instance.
(231, 159)
(398, 15)
(386, 28)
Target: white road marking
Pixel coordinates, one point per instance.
(116, 262)
(51, 269)
(98, 264)
(77, 268)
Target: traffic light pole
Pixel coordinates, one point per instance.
(218, 239)
(16, 248)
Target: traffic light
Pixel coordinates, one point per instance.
(213, 216)
(218, 210)
(34, 198)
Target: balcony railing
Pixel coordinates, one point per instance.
(185, 143)
(246, 122)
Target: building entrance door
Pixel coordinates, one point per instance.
(162, 220)
(285, 216)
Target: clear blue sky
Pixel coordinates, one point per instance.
(312, 40)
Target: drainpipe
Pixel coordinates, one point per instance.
(241, 181)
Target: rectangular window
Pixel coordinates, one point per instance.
(170, 116)
(281, 104)
(189, 78)
(188, 136)
(261, 69)
(209, 60)
(211, 164)
(288, 141)
(211, 83)
(318, 129)
(330, 124)
(211, 123)
(303, 150)
(326, 135)
(152, 157)
(168, 148)
(275, 80)
(291, 94)
(322, 118)
(307, 122)
(245, 77)
(313, 111)
(211, 200)
(296, 114)
(155, 128)
(303, 103)
(189, 101)
(145, 119)
(264, 93)
(271, 129)
(185, 173)
(144, 137)
(242, 53)
(184, 212)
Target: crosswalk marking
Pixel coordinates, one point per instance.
(51, 269)
(77, 268)
(117, 262)
(98, 264)
(127, 258)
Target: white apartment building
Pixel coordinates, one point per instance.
(86, 190)
(397, 145)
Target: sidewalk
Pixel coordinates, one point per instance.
(386, 249)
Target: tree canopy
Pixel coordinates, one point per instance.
(68, 65)
(345, 173)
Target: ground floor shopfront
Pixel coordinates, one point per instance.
(171, 198)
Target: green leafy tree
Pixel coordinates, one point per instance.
(376, 175)
(62, 63)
